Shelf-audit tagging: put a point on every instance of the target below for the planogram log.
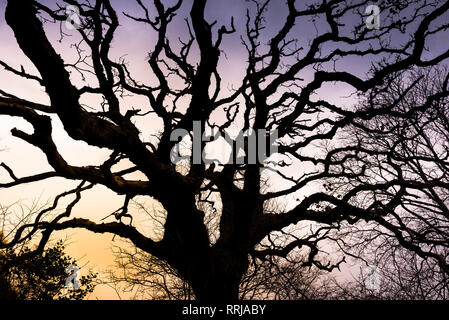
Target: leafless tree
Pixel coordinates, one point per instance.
(142, 276)
(27, 275)
(407, 151)
(284, 72)
(399, 275)
(138, 275)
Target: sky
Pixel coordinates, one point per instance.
(133, 41)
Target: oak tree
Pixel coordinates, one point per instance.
(292, 69)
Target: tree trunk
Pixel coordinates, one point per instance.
(217, 289)
(220, 282)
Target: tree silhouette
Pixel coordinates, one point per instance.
(279, 92)
(41, 277)
(410, 151)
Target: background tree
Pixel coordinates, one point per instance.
(26, 274)
(138, 275)
(30, 274)
(40, 277)
(142, 276)
(6, 293)
(280, 90)
(401, 275)
(407, 151)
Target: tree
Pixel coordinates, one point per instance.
(42, 277)
(279, 93)
(6, 293)
(408, 150)
(142, 276)
(401, 275)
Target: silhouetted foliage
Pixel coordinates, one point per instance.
(39, 277)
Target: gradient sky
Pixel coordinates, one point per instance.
(134, 40)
